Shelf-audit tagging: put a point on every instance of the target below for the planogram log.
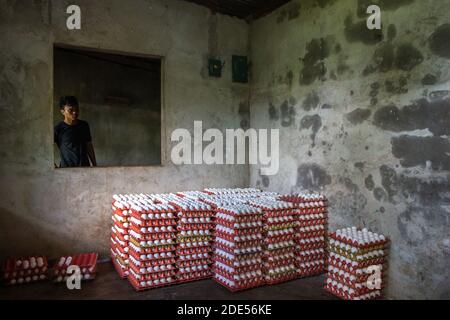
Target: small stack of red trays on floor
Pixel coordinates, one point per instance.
(119, 232)
(195, 230)
(356, 264)
(311, 231)
(86, 262)
(152, 244)
(279, 239)
(238, 247)
(24, 270)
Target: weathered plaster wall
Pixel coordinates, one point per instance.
(48, 211)
(364, 116)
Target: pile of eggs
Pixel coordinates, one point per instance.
(311, 233)
(24, 270)
(152, 244)
(86, 264)
(238, 247)
(120, 233)
(279, 239)
(194, 239)
(356, 264)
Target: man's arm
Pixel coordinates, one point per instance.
(91, 153)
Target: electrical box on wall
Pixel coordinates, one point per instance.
(215, 68)
(240, 69)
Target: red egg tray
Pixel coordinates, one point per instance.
(259, 283)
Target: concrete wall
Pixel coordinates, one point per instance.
(121, 99)
(48, 211)
(364, 116)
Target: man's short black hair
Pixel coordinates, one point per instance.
(68, 101)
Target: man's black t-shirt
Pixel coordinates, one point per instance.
(71, 141)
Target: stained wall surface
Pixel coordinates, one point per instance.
(364, 116)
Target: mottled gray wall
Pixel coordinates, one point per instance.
(48, 211)
(364, 116)
(120, 101)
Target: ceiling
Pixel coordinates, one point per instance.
(244, 9)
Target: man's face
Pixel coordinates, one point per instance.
(70, 112)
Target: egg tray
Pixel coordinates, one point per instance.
(352, 283)
(193, 262)
(360, 291)
(120, 236)
(238, 232)
(120, 212)
(152, 274)
(117, 229)
(309, 223)
(299, 199)
(311, 257)
(121, 270)
(155, 249)
(377, 244)
(153, 263)
(199, 249)
(281, 238)
(280, 226)
(354, 257)
(310, 246)
(232, 250)
(261, 282)
(346, 296)
(10, 264)
(120, 252)
(235, 271)
(239, 269)
(119, 219)
(278, 252)
(278, 246)
(279, 263)
(271, 280)
(240, 256)
(196, 226)
(154, 223)
(160, 247)
(14, 281)
(195, 278)
(240, 242)
(280, 213)
(84, 260)
(352, 269)
(117, 242)
(120, 225)
(237, 219)
(135, 284)
(196, 214)
(253, 215)
(192, 238)
(231, 224)
(311, 234)
(153, 236)
(136, 255)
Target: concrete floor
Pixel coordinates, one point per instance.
(108, 285)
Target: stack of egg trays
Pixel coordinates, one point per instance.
(119, 233)
(24, 270)
(87, 263)
(195, 231)
(152, 245)
(238, 247)
(311, 231)
(279, 240)
(349, 266)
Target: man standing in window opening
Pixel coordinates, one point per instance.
(73, 136)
